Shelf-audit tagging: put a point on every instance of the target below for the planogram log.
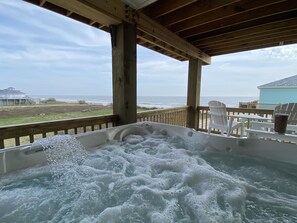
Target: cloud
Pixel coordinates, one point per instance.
(287, 52)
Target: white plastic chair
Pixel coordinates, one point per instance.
(219, 119)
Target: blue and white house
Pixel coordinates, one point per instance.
(278, 92)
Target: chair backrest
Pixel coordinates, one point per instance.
(218, 113)
(290, 109)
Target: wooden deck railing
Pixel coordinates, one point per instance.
(16, 135)
(173, 116)
(27, 133)
(204, 118)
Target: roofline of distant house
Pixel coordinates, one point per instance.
(261, 87)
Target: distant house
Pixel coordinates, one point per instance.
(11, 96)
(278, 92)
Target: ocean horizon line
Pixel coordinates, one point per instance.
(152, 101)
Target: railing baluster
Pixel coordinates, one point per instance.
(2, 144)
(17, 141)
(31, 137)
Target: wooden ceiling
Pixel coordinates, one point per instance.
(186, 29)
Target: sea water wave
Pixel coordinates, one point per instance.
(152, 101)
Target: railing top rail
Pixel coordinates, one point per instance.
(161, 111)
(40, 127)
(243, 110)
(85, 119)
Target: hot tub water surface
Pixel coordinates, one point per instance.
(152, 178)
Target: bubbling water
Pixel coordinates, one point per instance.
(148, 179)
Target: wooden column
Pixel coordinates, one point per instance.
(124, 72)
(194, 86)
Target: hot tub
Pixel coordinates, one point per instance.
(149, 172)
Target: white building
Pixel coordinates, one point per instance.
(11, 96)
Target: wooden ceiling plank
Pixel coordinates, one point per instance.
(245, 25)
(247, 31)
(234, 9)
(192, 10)
(162, 7)
(253, 45)
(252, 36)
(253, 15)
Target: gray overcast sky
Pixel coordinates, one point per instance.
(43, 53)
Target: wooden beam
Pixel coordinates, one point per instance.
(286, 6)
(194, 88)
(190, 11)
(124, 73)
(160, 44)
(234, 9)
(147, 25)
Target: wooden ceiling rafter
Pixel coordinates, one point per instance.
(190, 11)
(150, 39)
(253, 15)
(245, 25)
(234, 9)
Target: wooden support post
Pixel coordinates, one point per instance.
(124, 73)
(194, 86)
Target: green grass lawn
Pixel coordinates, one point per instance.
(52, 117)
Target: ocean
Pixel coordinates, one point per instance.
(151, 101)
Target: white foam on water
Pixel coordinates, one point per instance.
(147, 179)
